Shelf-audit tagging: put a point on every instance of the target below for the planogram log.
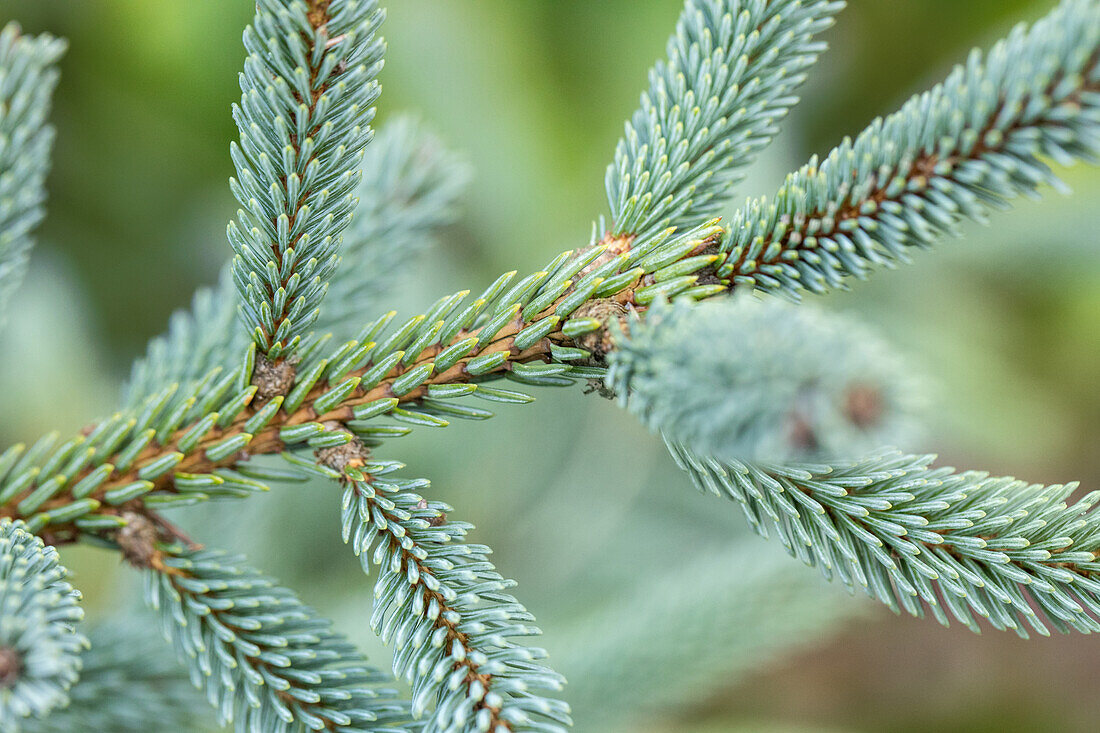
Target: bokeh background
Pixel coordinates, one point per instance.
(582, 506)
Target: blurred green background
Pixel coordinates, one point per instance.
(582, 506)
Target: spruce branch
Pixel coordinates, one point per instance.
(39, 644)
(193, 442)
(304, 118)
(795, 382)
(207, 401)
(535, 330)
(918, 537)
(952, 153)
(910, 534)
(265, 660)
(408, 191)
(28, 75)
(730, 76)
(445, 608)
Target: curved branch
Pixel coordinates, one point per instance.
(444, 606)
(968, 144)
(920, 537)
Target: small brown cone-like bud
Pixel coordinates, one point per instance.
(863, 405)
(272, 378)
(11, 666)
(352, 454)
(599, 342)
(138, 540)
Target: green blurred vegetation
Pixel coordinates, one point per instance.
(1005, 323)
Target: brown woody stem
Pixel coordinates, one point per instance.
(268, 441)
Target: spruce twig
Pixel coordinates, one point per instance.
(441, 602)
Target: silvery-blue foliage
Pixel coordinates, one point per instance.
(39, 644)
(763, 380)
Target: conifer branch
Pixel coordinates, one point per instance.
(191, 442)
(408, 191)
(918, 537)
(443, 605)
(28, 75)
(911, 535)
(731, 72)
(304, 119)
(795, 383)
(264, 659)
(952, 153)
(205, 403)
(534, 331)
(39, 644)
